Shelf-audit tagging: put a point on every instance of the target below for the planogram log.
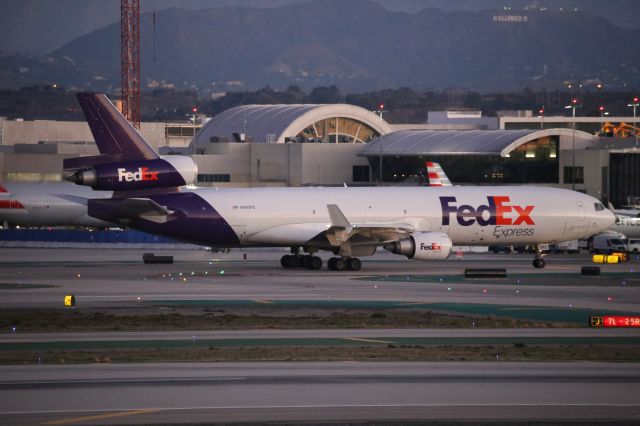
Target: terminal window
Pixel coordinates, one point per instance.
(569, 175)
(361, 174)
(214, 178)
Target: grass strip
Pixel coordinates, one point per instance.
(254, 316)
(300, 342)
(497, 353)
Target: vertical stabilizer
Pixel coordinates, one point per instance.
(437, 177)
(113, 134)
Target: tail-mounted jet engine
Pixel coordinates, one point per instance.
(166, 172)
(423, 246)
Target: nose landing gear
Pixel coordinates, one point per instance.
(539, 262)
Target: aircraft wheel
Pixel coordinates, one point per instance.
(289, 261)
(337, 264)
(331, 264)
(305, 261)
(341, 264)
(315, 263)
(354, 264)
(538, 262)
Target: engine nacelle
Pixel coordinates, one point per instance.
(423, 246)
(158, 173)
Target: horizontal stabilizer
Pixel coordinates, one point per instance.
(120, 210)
(145, 208)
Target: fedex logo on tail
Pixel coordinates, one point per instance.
(497, 211)
(143, 174)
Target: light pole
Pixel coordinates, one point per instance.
(635, 104)
(541, 114)
(601, 109)
(193, 118)
(573, 106)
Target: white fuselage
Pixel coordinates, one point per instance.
(48, 204)
(629, 226)
(293, 216)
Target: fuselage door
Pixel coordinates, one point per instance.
(580, 205)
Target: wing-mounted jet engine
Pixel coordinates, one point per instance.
(423, 246)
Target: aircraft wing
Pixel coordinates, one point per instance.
(336, 233)
(341, 230)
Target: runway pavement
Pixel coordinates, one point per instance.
(179, 393)
(315, 392)
(118, 278)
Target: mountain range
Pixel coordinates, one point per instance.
(357, 45)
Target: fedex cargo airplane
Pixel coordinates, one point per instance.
(627, 221)
(422, 223)
(48, 204)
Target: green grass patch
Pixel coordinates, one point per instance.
(17, 286)
(317, 342)
(249, 316)
(332, 353)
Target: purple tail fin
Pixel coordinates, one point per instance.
(114, 135)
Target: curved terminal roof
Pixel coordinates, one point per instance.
(274, 123)
(465, 142)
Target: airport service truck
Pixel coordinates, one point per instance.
(609, 242)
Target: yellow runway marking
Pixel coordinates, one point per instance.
(263, 301)
(368, 340)
(98, 417)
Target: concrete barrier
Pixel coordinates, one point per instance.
(485, 273)
(152, 258)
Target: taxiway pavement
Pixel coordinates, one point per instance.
(177, 393)
(118, 278)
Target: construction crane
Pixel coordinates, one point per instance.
(130, 59)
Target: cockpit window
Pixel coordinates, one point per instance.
(599, 207)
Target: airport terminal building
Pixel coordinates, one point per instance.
(336, 144)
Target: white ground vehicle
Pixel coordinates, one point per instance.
(609, 242)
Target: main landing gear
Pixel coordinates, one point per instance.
(309, 261)
(344, 263)
(291, 261)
